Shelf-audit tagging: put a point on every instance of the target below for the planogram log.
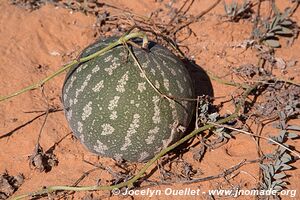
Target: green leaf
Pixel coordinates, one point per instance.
(276, 10)
(277, 167)
(226, 8)
(285, 167)
(293, 127)
(263, 167)
(284, 31)
(277, 162)
(282, 135)
(287, 12)
(269, 35)
(276, 28)
(226, 135)
(273, 43)
(267, 178)
(270, 156)
(213, 117)
(271, 170)
(264, 186)
(277, 182)
(279, 176)
(293, 135)
(277, 187)
(274, 22)
(286, 158)
(284, 183)
(286, 22)
(281, 150)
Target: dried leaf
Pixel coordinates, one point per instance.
(292, 63)
(199, 153)
(9, 184)
(280, 63)
(273, 43)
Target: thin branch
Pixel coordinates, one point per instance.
(143, 71)
(223, 174)
(195, 19)
(295, 7)
(176, 15)
(225, 82)
(28, 122)
(255, 135)
(45, 119)
(257, 18)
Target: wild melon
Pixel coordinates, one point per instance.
(114, 108)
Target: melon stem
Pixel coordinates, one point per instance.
(123, 39)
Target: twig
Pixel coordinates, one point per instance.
(143, 71)
(287, 81)
(225, 82)
(223, 174)
(46, 116)
(257, 18)
(29, 122)
(83, 176)
(197, 113)
(207, 178)
(169, 97)
(195, 19)
(295, 7)
(255, 135)
(180, 9)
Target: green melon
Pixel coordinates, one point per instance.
(114, 111)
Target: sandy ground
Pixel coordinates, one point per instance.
(35, 44)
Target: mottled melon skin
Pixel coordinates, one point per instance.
(114, 111)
